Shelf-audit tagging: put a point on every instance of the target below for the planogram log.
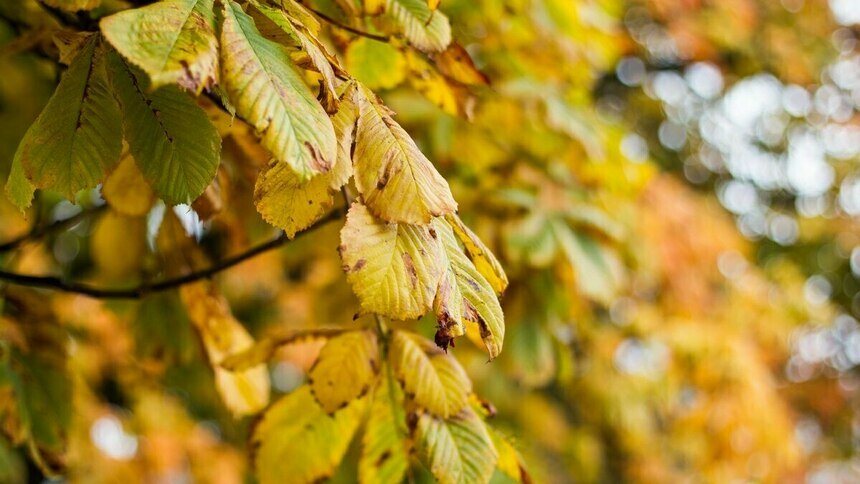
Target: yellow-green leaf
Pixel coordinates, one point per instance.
(297, 442)
(270, 94)
(345, 369)
(424, 28)
(73, 5)
(385, 446)
(344, 129)
(173, 41)
(394, 269)
(126, 190)
(77, 137)
(19, 190)
(379, 65)
(432, 378)
(397, 182)
(457, 450)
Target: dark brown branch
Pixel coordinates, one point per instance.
(379, 38)
(39, 231)
(137, 292)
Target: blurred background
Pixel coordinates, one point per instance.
(671, 185)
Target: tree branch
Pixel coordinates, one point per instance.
(141, 290)
(38, 231)
(378, 38)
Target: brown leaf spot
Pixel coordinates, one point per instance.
(358, 265)
(319, 163)
(410, 269)
(382, 458)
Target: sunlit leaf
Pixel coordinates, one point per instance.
(270, 94)
(173, 41)
(458, 449)
(398, 183)
(424, 28)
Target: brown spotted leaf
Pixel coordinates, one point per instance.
(345, 369)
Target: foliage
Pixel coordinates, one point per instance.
(472, 165)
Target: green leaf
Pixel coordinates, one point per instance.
(385, 447)
(424, 28)
(435, 381)
(77, 137)
(394, 269)
(457, 450)
(170, 137)
(270, 94)
(345, 369)
(296, 441)
(466, 295)
(397, 182)
(379, 65)
(19, 190)
(73, 5)
(173, 41)
(596, 275)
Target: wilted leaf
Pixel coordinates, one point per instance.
(345, 369)
(397, 182)
(173, 41)
(393, 268)
(170, 137)
(270, 94)
(457, 450)
(296, 441)
(465, 295)
(430, 377)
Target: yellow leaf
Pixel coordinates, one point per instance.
(433, 379)
(297, 442)
(509, 462)
(345, 369)
(425, 79)
(484, 260)
(394, 269)
(287, 202)
(126, 190)
(374, 7)
(397, 182)
(243, 392)
(118, 245)
(344, 130)
(465, 295)
(379, 65)
(385, 447)
(425, 29)
(457, 450)
(456, 63)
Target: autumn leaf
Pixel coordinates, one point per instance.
(456, 450)
(426, 29)
(385, 445)
(173, 41)
(344, 370)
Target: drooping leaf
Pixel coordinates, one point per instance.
(465, 293)
(424, 28)
(397, 182)
(126, 190)
(483, 259)
(173, 41)
(379, 65)
(457, 450)
(385, 446)
(433, 379)
(393, 268)
(77, 137)
(316, 56)
(170, 137)
(345, 369)
(243, 392)
(270, 94)
(344, 129)
(296, 441)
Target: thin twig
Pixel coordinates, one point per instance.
(38, 231)
(378, 38)
(139, 291)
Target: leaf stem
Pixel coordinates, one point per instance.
(141, 290)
